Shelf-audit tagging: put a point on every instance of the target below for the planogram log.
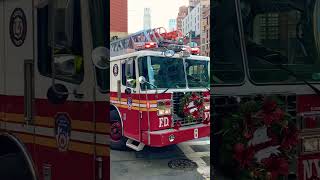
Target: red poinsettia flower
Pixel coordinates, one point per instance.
(278, 115)
(243, 155)
(196, 114)
(268, 119)
(186, 110)
(273, 117)
(194, 97)
(277, 166)
(269, 105)
(247, 135)
(290, 138)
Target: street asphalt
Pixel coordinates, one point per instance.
(154, 163)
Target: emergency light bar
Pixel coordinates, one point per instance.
(144, 45)
(195, 51)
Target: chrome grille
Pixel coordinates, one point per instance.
(176, 99)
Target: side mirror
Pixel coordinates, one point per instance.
(128, 91)
(142, 80)
(100, 58)
(65, 65)
(57, 94)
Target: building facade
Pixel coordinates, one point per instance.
(205, 32)
(147, 19)
(191, 23)
(183, 12)
(193, 3)
(118, 18)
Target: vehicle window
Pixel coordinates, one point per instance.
(226, 61)
(286, 34)
(128, 72)
(100, 37)
(67, 52)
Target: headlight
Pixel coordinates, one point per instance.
(164, 108)
(311, 144)
(164, 111)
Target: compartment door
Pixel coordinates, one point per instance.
(2, 69)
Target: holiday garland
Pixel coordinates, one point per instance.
(259, 140)
(192, 106)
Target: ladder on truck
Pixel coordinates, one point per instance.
(162, 39)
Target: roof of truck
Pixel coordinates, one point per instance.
(155, 53)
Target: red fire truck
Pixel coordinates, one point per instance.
(159, 93)
(53, 90)
(269, 48)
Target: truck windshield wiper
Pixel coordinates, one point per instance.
(292, 73)
(165, 91)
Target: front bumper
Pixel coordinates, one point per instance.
(161, 138)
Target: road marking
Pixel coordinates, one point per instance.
(203, 168)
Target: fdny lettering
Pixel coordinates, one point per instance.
(163, 122)
(308, 168)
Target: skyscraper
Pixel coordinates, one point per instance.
(147, 18)
(172, 24)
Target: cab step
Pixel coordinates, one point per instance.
(130, 144)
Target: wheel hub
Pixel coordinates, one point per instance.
(116, 131)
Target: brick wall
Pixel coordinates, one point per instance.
(118, 16)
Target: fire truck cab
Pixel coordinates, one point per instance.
(53, 90)
(147, 88)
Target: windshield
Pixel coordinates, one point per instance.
(286, 34)
(227, 63)
(164, 72)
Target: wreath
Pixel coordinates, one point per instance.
(192, 107)
(259, 140)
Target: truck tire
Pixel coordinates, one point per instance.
(14, 167)
(118, 142)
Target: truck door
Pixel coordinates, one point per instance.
(16, 48)
(64, 91)
(130, 98)
(2, 69)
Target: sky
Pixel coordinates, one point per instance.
(161, 12)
